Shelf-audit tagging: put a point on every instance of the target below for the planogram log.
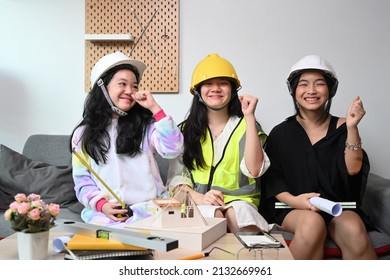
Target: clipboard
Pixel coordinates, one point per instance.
(253, 240)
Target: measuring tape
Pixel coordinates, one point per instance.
(124, 206)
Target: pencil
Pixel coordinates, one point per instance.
(193, 257)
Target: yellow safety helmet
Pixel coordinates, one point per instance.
(213, 66)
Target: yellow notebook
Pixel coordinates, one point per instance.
(83, 242)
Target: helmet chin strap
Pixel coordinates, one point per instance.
(115, 109)
(214, 109)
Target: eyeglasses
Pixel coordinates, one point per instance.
(258, 252)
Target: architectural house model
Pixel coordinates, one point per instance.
(179, 218)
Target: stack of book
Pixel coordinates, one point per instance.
(83, 247)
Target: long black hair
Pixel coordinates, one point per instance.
(195, 128)
(97, 116)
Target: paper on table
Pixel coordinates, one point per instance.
(253, 240)
(326, 205)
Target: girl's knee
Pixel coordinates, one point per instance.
(218, 214)
(313, 228)
(306, 222)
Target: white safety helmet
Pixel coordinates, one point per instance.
(313, 62)
(111, 60)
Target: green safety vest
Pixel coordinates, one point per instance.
(226, 175)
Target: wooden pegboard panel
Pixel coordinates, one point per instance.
(157, 47)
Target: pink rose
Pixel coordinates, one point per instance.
(34, 197)
(20, 197)
(36, 204)
(54, 209)
(14, 205)
(23, 208)
(34, 214)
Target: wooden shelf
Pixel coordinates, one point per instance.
(108, 37)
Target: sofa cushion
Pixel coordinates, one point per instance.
(53, 149)
(19, 174)
(376, 202)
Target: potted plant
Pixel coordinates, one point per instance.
(32, 219)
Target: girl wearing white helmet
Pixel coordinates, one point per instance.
(121, 129)
(223, 153)
(316, 154)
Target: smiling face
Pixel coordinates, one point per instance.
(216, 92)
(122, 88)
(312, 91)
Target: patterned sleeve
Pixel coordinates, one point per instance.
(167, 138)
(87, 192)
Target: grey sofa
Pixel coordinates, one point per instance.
(54, 151)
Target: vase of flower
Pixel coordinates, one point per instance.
(33, 246)
(32, 219)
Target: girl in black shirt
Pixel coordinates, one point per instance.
(316, 154)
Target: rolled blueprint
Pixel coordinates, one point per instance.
(326, 205)
(59, 243)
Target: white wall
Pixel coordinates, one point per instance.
(42, 60)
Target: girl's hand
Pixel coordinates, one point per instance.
(355, 112)
(213, 197)
(303, 202)
(114, 211)
(248, 104)
(145, 99)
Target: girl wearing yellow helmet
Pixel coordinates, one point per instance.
(223, 148)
